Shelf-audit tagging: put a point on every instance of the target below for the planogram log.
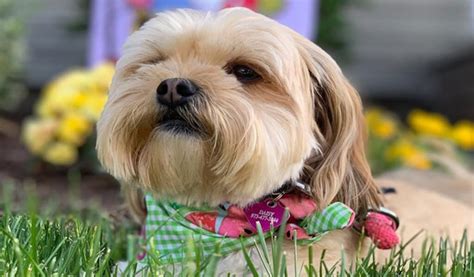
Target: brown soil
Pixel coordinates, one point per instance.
(52, 185)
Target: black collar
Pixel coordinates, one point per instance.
(289, 187)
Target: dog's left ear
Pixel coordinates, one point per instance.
(339, 170)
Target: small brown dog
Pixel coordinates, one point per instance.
(207, 108)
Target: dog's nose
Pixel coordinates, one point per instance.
(175, 92)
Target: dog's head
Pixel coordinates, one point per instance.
(228, 106)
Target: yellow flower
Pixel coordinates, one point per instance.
(428, 123)
(372, 116)
(384, 129)
(417, 160)
(74, 128)
(463, 134)
(61, 153)
(380, 124)
(102, 76)
(65, 93)
(79, 99)
(93, 105)
(76, 80)
(406, 152)
(74, 102)
(37, 133)
(398, 149)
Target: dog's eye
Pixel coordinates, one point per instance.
(244, 73)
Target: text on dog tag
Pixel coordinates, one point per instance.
(267, 212)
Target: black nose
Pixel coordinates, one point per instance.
(175, 92)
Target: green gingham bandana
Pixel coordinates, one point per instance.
(176, 238)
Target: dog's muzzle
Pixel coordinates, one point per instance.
(173, 121)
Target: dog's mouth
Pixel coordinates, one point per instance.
(172, 121)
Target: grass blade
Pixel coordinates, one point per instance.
(248, 260)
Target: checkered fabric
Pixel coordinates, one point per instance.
(335, 216)
(177, 239)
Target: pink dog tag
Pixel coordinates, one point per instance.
(266, 212)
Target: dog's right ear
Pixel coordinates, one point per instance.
(135, 201)
(339, 170)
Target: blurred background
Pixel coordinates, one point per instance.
(411, 60)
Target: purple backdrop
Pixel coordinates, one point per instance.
(113, 20)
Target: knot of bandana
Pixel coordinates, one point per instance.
(171, 226)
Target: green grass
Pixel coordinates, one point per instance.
(89, 243)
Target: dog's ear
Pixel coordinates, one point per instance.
(338, 170)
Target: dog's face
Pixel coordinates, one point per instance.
(206, 108)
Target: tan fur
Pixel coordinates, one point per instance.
(340, 171)
(434, 202)
(302, 120)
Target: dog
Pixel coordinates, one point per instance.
(207, 108)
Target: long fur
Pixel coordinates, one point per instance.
(340, 171)
(302, 120)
